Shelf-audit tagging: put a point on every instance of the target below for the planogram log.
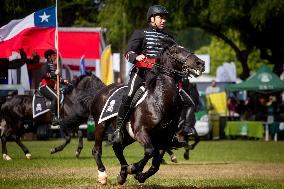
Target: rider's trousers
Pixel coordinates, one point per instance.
(48, 93)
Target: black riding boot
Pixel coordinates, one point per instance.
(54, 117)
(121, 119)
(189, 119)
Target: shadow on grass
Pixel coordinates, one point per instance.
(142, 186)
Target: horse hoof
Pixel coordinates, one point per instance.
(186, 155)
(121, 180)
(102, 177)
(6, 157)
(28, 156)
(173, 158)
(77, 154)
(52, 151)
(139, 177)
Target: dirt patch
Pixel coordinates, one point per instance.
(210, 170)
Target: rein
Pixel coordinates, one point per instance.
(166, 70)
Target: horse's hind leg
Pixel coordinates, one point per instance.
(195, 136)
(80, 143)
(172, 155)
(23, 147)
(156, 162)
(190, 146)
(4, 147)
(67, 139)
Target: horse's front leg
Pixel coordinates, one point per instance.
(156, 162)
(67, 139)
(118, 150)
(144, 139)
(80, 143)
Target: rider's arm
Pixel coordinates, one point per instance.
(134, 48)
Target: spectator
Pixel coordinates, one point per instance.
(231, 105)
(213, 88)
(261, 109)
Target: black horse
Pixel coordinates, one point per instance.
(154, 121)
(74, 111)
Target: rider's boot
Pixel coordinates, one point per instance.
(121, 119)
(189, 119)
(54, 117)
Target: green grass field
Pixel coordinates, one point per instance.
(226, 164)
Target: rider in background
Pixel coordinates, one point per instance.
(48, 82)
(144, 46)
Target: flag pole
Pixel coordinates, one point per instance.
(57, 62)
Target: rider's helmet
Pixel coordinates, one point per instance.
(48, 53)
(156, 9)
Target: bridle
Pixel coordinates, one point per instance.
(169, 71)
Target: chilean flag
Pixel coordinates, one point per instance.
(36, 32)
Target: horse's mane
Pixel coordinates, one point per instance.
(87, 86)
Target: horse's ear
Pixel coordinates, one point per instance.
(168, 42)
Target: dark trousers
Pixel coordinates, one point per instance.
(137, 77)
(50, 94)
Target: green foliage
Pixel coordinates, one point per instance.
(221, 52)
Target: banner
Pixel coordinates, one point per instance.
(106, 63)
(36, 32)
(217, 103)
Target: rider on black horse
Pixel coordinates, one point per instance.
(144, 47)
(48, 82)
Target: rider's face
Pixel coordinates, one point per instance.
(159, 21)
(52, 57)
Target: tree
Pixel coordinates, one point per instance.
(256, 22)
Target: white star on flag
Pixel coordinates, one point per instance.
(44, 17)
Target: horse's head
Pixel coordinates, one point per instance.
(183, 60)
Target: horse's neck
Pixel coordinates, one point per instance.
(165, 90)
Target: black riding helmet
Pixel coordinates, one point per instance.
(156, 9)
(48, 53)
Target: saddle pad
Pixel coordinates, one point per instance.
(39, 106)
(112, 104)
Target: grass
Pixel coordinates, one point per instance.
(227, 164)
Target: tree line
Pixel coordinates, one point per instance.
(248, 31)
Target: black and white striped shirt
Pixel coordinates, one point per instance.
(145, 41)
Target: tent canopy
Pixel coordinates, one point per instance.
(264, 80)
